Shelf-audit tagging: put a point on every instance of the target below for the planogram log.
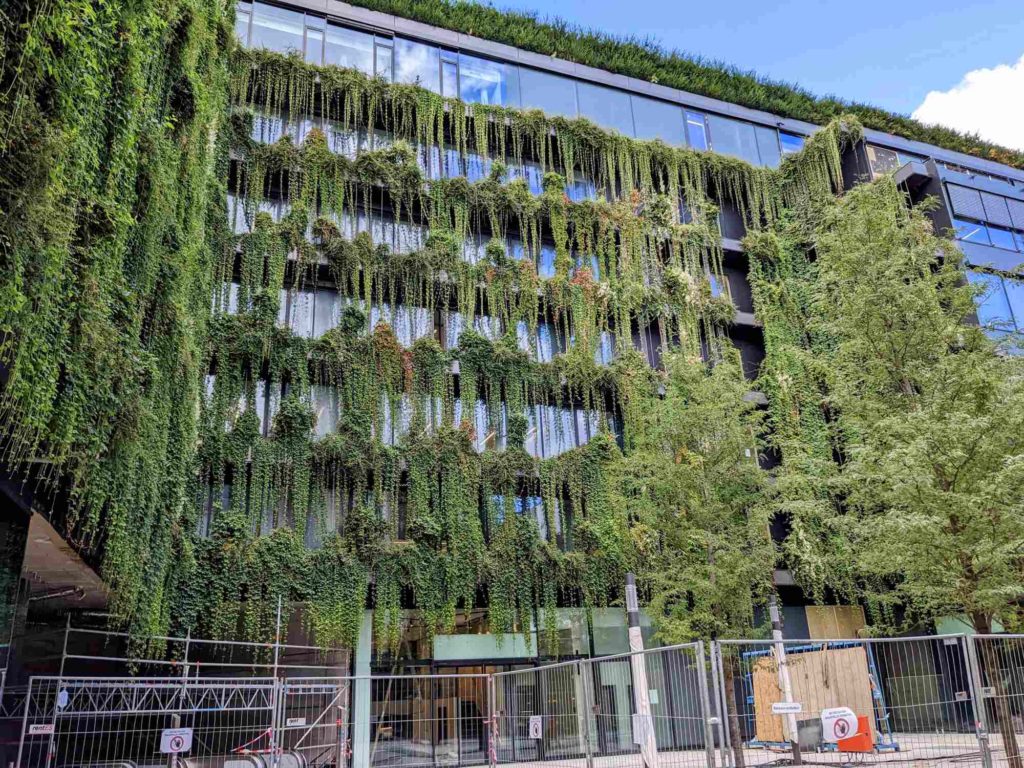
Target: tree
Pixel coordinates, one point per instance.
(930, 418)
(690, 489)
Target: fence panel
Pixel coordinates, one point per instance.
(82, 723)
(425, 720)
(540, 714)
(313, 721)
(678, 695)
(1000, 662)
(912, 698)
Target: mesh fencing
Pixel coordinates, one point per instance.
(935, 701)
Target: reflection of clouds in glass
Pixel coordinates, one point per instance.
(416, 63)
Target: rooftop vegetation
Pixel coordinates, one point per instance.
(647, 60)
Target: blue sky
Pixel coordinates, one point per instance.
(891, 53)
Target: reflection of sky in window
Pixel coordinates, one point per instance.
(696, 130)
(1015, 294)
(971, 231)
(790, 142)
(349, 48)
(487, 82)
(417, 63)
(993, 305)
(277, 29)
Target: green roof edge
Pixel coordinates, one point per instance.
(647, 60)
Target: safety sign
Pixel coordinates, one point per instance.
(175, 740)
(838, 723)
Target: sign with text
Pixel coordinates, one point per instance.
(536, 727)
(175, 740)
(787, 708)
(837, 723)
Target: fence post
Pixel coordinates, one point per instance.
(588, 710)
(717, 682)
(981, 729)
(705, 704)
(492, 723)
(24, 720)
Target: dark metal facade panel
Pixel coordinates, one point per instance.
(995, 209)
(966, 202)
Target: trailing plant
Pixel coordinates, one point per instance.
(647, 60)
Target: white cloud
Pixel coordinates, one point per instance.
(988, 102)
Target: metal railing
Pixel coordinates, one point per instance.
(937, 701)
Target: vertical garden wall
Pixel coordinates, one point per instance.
(154, 357)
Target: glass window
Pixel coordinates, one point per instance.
(385, 62)
(277, 29)
(768, 146)
(653, 119)
(552, 94)
(243, 12)
(971, 231)
(605, 352)
(1018, 238)
(326, 311)
(791, 143)
(696, 130)
(882, 160)
(314, 42)
(301, 312)
(993, 304)
(1015, 295)
(482, 81)
(325, 408)
(546, 264)
(608, 107)
(417, 63)
(1002, 238)
(449, 78)
(733, 137)
(349, 48)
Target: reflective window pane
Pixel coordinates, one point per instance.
(552, 94)
(314, 46)
(696, 130)
(349, 48)
(384, 64)
(482, 81)
(418, 64)
(993, 305)
(653, 119)
(971, 231)
(243, 12)
(768, 146)
(277, 29)
(1015, 294)
(733, 137)
(882, 160)
(791, 143)
(608, 107)
(1018, 237)
(449, 79)
(1002, 238)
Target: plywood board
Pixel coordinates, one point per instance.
(832, 677)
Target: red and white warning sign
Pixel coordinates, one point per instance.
(175, 740)
(838, 723)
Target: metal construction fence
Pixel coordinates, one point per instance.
(936, 701)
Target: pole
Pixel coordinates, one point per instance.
(643, 726)
(784, 682)
(278, 703)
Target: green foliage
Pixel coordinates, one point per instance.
(899, 426)
(119, 136)
(647, 60)
(691, 489)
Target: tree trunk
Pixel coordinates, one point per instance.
(989, 659)
(733, 724)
